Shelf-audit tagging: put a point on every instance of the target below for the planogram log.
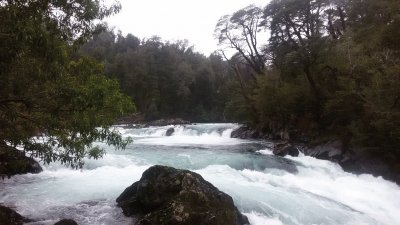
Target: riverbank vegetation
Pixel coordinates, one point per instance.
(52, 103)
(331, 71)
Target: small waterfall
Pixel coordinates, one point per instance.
(208, 129)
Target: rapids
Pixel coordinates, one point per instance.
(270, 190)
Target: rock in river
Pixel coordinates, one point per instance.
(13, 161)
(286, 149)
(169, 196)
(170, 131)
(66, 222)
(10, 217)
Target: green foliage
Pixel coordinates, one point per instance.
(66, 102)
(237, 108)
(332, 71)
(283, 102)
(163, 79)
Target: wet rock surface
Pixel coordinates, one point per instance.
(10, 217)
(284, 149)
(169, 196)
(66, 222)
(170, 131)
(13, 161)
(332, 150)
(356, 161)
(245, 132)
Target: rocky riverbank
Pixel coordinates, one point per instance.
(354, 160)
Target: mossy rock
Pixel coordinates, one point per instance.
(169, 196)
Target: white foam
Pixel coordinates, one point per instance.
(266, 151)
(194, 134)
(259, 219)
(316, 192)
(205, 139)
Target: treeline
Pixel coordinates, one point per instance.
(164, 79)
(330, 69)
(312, 70)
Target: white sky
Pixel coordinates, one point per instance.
(193, 20)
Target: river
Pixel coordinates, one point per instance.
(270, 190)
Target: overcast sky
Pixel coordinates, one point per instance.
(193, 20)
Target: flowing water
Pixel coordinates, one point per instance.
(268, 189)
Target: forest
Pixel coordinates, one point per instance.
(328, 69)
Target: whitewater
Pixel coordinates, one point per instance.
(268, 189)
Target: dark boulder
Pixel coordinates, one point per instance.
(332, 150)
(170, 131)
(13, 161)
(10, 217)
(245, 132)
(360, 161)
(169, 196)
(284, 149)
(357, 160)
(66, 222)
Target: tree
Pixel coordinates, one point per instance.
(52, 103)
(239, 31)
(300, 31)
(367, 58)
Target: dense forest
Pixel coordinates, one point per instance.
(328, 69)
(165, 79)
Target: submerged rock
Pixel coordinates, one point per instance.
(13, 161)
(169, 196)
(66, 222)
(10, 217)
(170, 131)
